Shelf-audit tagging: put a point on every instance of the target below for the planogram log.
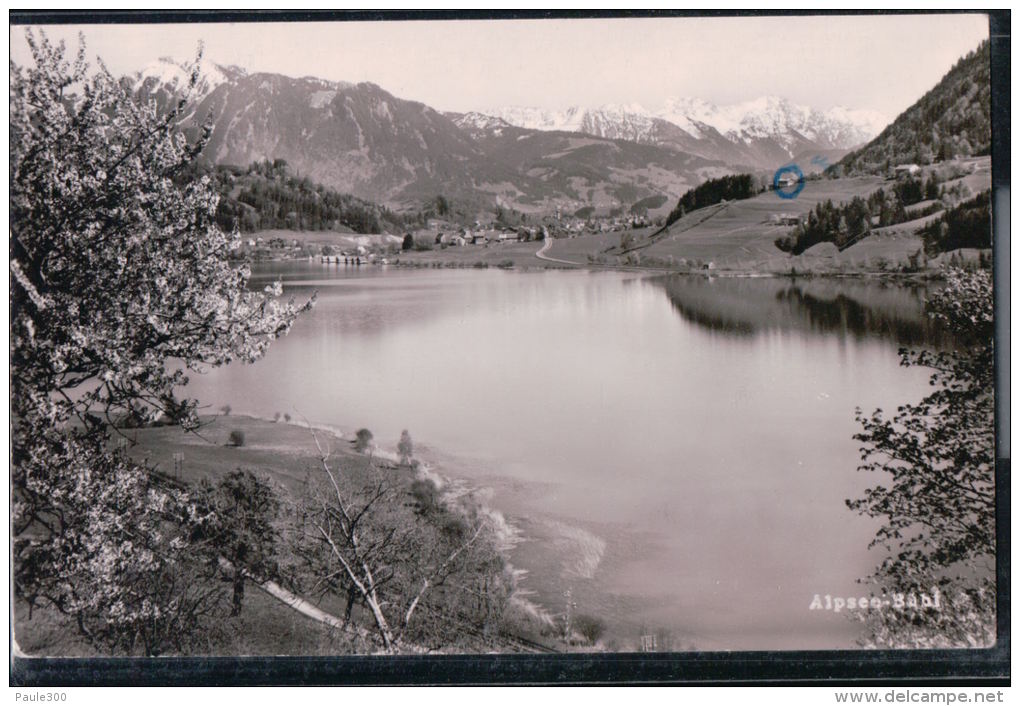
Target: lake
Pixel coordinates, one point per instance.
(675, 450)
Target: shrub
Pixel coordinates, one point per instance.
(426, 496)
(362, 439)
(590, 628)
(226, 409)
(237, 437)
(936, 495)
(505, 264)
(405, 447)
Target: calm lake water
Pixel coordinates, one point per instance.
(676, 450)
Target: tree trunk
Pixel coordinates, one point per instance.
(238, 591)
(352, 595)
(380, 620)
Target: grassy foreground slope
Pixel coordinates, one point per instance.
(284, 454)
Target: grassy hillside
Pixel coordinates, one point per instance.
(741, 233)
(286, 456)
(908, 200)
(951, 120)
(572, 170)
(265, 627)
(731, 187)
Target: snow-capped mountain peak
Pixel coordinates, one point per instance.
(870, 121)
(785, 125)
(173, 74)
(540, 118)
(624, 109)
(480, 121)
(774, 117)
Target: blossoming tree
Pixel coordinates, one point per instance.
(120, 285)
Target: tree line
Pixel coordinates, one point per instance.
(845, 223)
(266, 195)
(730, 188)
(968, 225)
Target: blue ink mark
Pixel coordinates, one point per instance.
(781, 183)
(820, 161)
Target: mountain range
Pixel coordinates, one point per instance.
(755, 133)
(360, 139)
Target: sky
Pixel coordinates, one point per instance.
(882, 63)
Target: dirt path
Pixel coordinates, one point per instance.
(315, 613)
(301, 605)
(545, 246)
(308, 609)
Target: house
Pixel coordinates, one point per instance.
(785, 219)
(450, 239)
(907, 169)
(787, 180)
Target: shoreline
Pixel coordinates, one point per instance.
(548, 551)
(266, 434)
(526, 260)
(485, 490)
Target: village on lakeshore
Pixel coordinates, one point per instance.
(742, 234)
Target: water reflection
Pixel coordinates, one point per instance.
(707, 456)
(743, 307)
